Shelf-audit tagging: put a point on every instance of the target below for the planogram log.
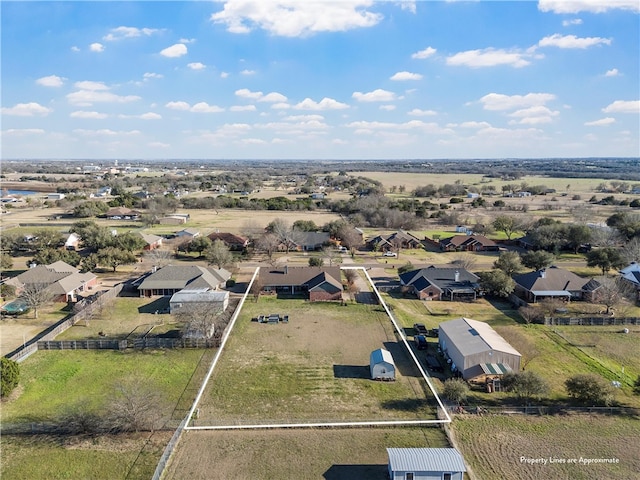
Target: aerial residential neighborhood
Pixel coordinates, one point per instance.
(335, 240)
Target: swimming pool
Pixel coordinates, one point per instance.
(16, 307)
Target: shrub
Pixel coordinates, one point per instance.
(456, 390)
(589, 389)
(9, 376)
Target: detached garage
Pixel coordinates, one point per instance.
(382, 365)
(476, 349)
(425, 464)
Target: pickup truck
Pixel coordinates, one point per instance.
(420, 329)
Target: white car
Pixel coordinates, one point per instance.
(389, 254)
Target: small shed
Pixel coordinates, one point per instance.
(425, 463)
(382, 365)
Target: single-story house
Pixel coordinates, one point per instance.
(554, 282)
(434, 283)
(475, 349)
(63, 281)
(122, 213)
(231, 240)
(188, 233)
(152, 241)
(425, 464)
(193, 299)
(72, 242)
(631, 275)
(307, 241)
(318, 283)
(471, 243)
(381, 365)
(171, 279)
(175, 219)
(399, 239)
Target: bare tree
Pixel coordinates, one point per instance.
(135, 406)
(350, 275)
(218, 254)
(34, 295)
(199, 319)
(268, 243)
(464, 260)
(631, 251)
(613, 292)
(159, 257)
(256, 288)
(530, 314)
(332, 256)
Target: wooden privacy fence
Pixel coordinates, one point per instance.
(138, 343)
(82, 345)
(592, 321)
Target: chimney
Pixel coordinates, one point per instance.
(286, 269)
(543, 273)
(456, 277)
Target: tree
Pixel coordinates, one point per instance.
(268, 243)
(525, 385)
(497, 283)
(636, 386)
(34, 295)
(507, 224)
(631, 250)
(332, 256)
(199, 244)
(509, 262)
(349, 237)
(464, 260)
(9, 376)
(605, 258)
(46, 238)
(613, 292)
(316, 262)
(407, 267)
(114, 257)
(200, 318)
(6, 262)
(129, 241)
(218, 254)
(456, 390)
(588, 388)
(538, 260)
(578, 235)
(52, 255)
(159, 257)
(135, 406)
(89, 263)
(530, 314)
(305, 226)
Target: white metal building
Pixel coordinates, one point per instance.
(382, 365)
(425, 464)
(476, 349)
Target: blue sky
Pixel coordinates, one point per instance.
(294, 79)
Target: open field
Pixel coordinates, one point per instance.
(98, 458)
(494, 444)
(331, 454)
(313, 369)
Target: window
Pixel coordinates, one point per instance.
(408, 476)
(446, 476)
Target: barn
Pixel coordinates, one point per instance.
(476, 349)
(425, 464)
(382, 365)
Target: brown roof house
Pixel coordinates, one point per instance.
(63, 281)
(399, 239)
(173, 278)
(470, 243)
(434, 283)
(122, 213)
(316, 283)
(232, 241)
(152, 241)
(554, 282)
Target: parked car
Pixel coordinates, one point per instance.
(420, 329)
(420, 342)
(389, 254)
(434, 332)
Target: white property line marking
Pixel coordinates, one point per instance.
(317, 425)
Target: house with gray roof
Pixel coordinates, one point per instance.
(193, 300)
(316, 283)
(631, 275)
(394, 241)
(433, 283)
(308, 241)
(425, 464)
(475, 349)
(62, 280)
(469, 243)
(554, 282)
(171, 279)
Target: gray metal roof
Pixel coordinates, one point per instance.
(551, 293)
(471, 337)
(381, 355)
(181, 276)
(199, 296)
(426, 460)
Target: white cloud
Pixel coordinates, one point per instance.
(174, 51)
(400, 76)
(96, 92)
(324, 104)
(489, 57)
(571, 41)
(50, 81)
(593, 6)
(416, 112)
(497, 101)
(196, 66)
(158, 145)
(20, 132)
(304, 118)
(187, 40)
(568, 23)
(603, 122)
(471, 125)
(204, 107)
(259, 96)
(243, 108)
(622, 106)
(246, 93)
(105, 132)
(377, 95)
(612, 73)
(90, 85)
(88, 115)
(178, 105)
(273, 97)
(387, 108)
(533, 115)
(149, 75)
(431, 127)
(144, 116)
(128, 32)
(75, 49)
(281, 106)
(96, 47)
(292, 18)
(224, 74)
(426, 53)
(27, 110)
(248, 72)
